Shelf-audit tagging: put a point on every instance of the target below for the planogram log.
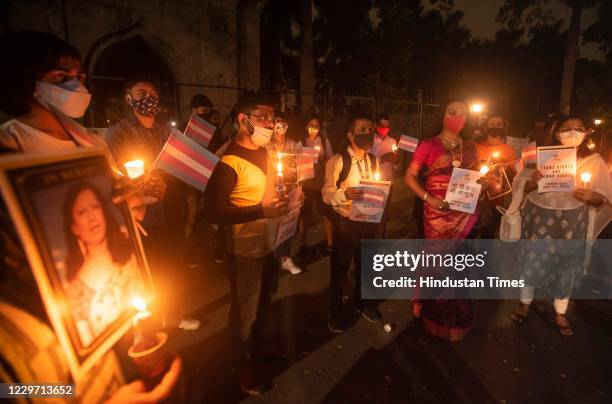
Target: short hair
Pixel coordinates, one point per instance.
(200, 100)
(350, 127)
(136, 78)
(382, 116)
(249, 101)
(311, 117)
(27, 55)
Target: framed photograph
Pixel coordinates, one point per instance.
(499, 184)
(84, 250)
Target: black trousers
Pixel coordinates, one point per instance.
(346, 247)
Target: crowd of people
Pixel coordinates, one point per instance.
(44, 84)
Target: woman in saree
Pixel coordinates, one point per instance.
(558, 223)
(435, 159)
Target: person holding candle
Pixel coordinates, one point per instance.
(282, 144)
(241, 195)
(384, 149)
(436, 157)
(561, 217)
(44, 90)
(493, 148)
(312, 187)
(343, 174)
(141, 136)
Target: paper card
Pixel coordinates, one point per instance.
(372, 205)
(558, 167)
(463, 190)
(288, 223)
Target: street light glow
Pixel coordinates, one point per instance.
(598, 122)
(477, 108)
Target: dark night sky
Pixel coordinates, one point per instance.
(480, 18)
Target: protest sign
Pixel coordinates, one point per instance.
(558, 167)
(288, 223)
(371, 206)
(463, 190)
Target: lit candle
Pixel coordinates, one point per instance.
(141, 310)
(280, 187)
(394, 148)
(134, 168)
(484, 170)
(318, 148)
(495, 155)
(585, 178)
(377, 176)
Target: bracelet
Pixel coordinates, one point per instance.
(425, 195)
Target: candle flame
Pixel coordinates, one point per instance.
(484, 169)
(139, 304)
(394, 148)
(134, 168)
(495, 155)
(377, 176)
(585, 177)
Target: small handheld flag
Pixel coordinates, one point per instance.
(529, 153)
(408, 143)
(313, 152)
(200, 130)
(305, 166)
(186, 160)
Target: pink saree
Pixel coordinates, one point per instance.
(449, 319)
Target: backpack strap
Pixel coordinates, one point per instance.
(346, 167)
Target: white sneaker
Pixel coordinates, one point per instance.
(189, 324)
(287, 264)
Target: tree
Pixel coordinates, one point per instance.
(516, 12)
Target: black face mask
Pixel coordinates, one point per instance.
(364, 140)
(496, 132)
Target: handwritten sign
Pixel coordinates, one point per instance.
(371, 206)
(558, 167)
(288, 223)
(463, 190)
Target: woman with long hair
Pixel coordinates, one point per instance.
(558, 223)
(434, 159)
(312, 187)
(101, 275)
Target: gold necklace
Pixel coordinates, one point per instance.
(452, 148)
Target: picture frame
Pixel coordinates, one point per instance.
(83, 249)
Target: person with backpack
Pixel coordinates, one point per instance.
(343, 173)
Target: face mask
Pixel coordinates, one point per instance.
(148, 105)
(496, 132)
(71, 97)
(455, 123)
(313, 131)
(571, 138)
(382, 132)
(364, 141)
(260, 136)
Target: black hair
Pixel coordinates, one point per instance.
(118, 245)
(582, 150)
(467, 128)
(136, 78)
(382, 116)
(27, 55)
(200, 100)
(249, 101)
(350, 127)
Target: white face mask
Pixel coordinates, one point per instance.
(260, 136)
(70, 97)
(571, 138)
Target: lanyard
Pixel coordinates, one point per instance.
(367, 170)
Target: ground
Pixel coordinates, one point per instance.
(497, 362)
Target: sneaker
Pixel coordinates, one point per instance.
(219, 255)
(248, 382)
(287, 264)
(335, 323)
(370, 314)
(189, 324)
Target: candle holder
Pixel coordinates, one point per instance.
(151, 357)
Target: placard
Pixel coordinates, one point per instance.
(558, 167)
(463, 190)
(371, 206)
(288, 223)
(82, 248)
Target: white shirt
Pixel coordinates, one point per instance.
(379, 148)
(335, 196)
(20, 136)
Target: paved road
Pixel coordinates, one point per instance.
(497, 362)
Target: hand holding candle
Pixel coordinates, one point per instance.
(484, 169)
(280, 186)
(585, 178)
(134, 168)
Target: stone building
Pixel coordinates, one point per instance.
(188, 46)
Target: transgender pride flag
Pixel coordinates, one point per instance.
(200, 130)
(186, 160)
(408, 143)
(529, 153)
(374, 197)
